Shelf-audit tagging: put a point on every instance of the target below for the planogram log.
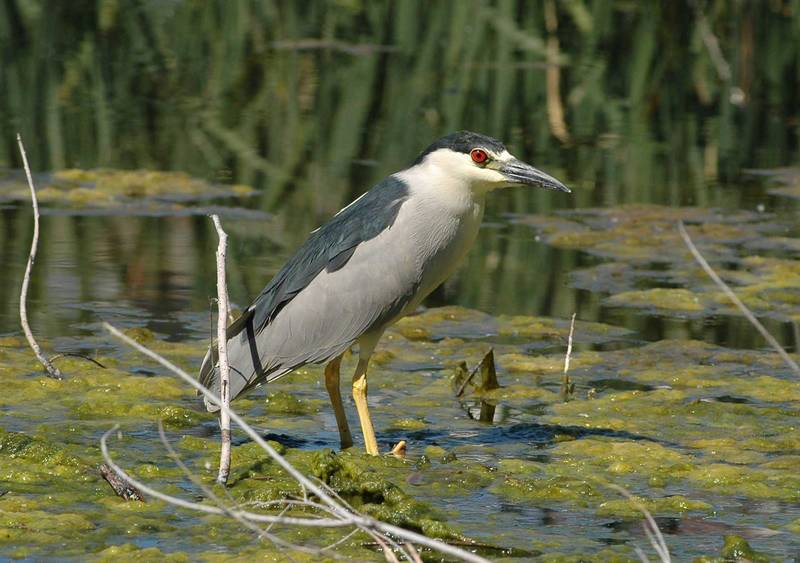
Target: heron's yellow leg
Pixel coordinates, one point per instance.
(332, 384)
(360, 397)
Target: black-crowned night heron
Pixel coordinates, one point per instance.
(371, 264)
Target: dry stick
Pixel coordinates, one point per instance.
(347, 517)
(412, 551)
(468, 379)
(206, 490)
(175, 501)
(262, 534)
(736, 301)
(52, 370)
(123, 489)
(651, 528)
(76, 355)
(340, 541)
(222, 352)
(565, 382)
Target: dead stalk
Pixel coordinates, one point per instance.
(176, 501)
(567, 387)
(650, 527)
(341, 514)
(736, 301)
(262, 534)
(222, 351)
(122, 488)
(52, 370)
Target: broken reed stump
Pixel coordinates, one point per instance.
(567, 385)
(488, 382)
(121, 487)
(485, 368)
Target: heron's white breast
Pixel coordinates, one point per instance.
(441, 217)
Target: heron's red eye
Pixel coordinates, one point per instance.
(478, 156)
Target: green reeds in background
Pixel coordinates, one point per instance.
(311, 102)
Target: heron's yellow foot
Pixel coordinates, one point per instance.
(332, 385)
(360, 397)
(400, 449)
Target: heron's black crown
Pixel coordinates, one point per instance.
(463, 141)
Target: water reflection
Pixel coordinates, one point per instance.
(159, 271)
(311, 106)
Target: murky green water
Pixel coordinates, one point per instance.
(677, 399)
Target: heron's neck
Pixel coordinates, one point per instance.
(441, 189)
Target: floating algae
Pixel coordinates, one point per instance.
(651, 268)
(132, 191)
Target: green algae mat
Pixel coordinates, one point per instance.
(126, 192)
(706, 437)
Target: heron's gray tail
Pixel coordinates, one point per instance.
(245, 367)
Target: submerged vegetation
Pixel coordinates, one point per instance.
(278, 113)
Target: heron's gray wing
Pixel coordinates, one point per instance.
(331, 246)
(326, 251)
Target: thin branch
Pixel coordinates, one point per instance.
(122, 488)
(341, 540)
(262, 534)
(76, 355)
(412, 552)
(468, 379)
(222, 352)
(283, 512)
(176, 501)
(52, 370)
(736, 301)
(388, 554)
(569, 343)
(651, 528)
(206, 490)
(347, 517)
(213, 399)
(567, 387)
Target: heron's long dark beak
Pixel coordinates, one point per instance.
(517, 172)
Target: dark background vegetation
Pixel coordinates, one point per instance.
(311, 102)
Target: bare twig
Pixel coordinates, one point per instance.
(468, 380)
(342, 516)
(736, 301)
(206, 490)
(567, 387)
(262, 534)
(412, 552)
(52, 370)
(222, 352)
(122, 487)
(388, 554)
(650, 526)
(176, 501)
(488, 374)
(341, 540)
(76, 355)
